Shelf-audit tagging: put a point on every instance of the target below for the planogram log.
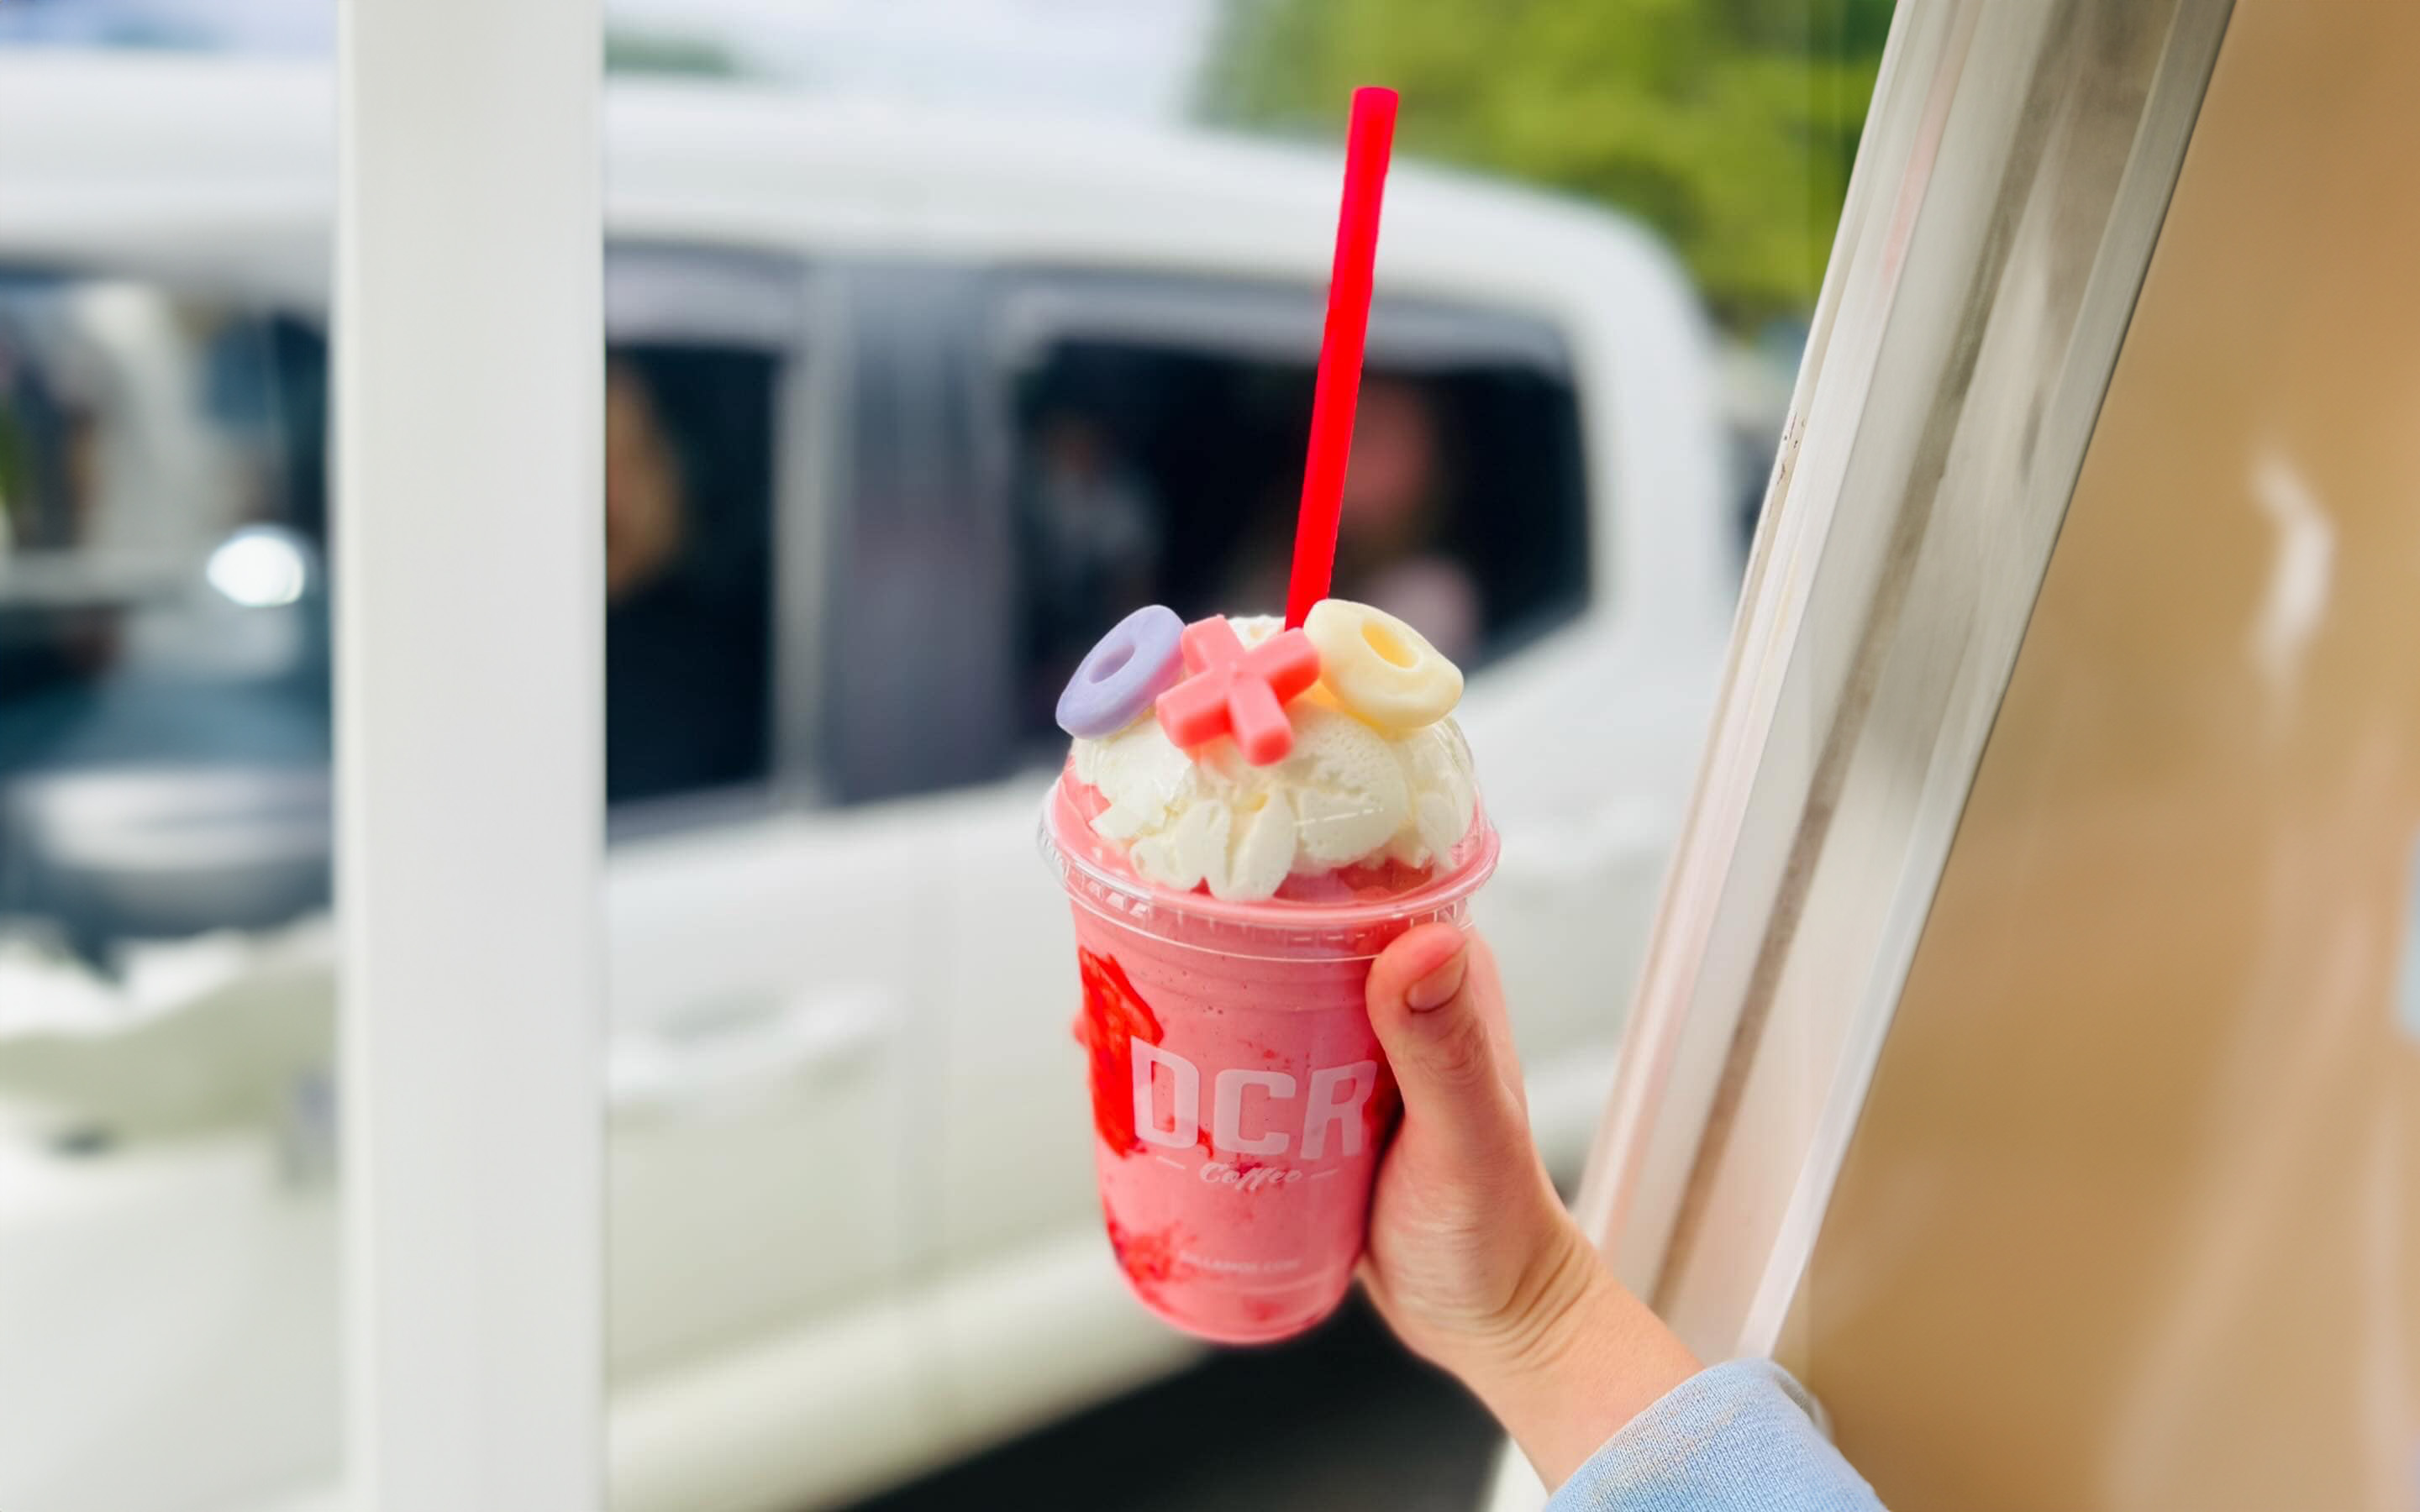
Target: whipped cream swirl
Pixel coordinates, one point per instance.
(1346, 795)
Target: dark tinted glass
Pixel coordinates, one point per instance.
(163, 625)
(165, 635)
(689, 448)
(1152, 472)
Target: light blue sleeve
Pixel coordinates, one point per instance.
(1737, 1438)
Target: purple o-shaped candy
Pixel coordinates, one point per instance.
(1125, 675)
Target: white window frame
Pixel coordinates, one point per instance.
(1980, 287)
(469, 538)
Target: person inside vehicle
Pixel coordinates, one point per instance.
(1093, 537)
(1389, 550)
(684, 623)
(1477, 1266)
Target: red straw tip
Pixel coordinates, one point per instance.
(1368, 142)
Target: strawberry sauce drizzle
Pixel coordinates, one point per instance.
(1114, 1017)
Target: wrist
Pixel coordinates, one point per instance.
(1576, 1358)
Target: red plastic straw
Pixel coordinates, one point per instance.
(1368, 142)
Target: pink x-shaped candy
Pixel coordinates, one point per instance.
(1238, 692)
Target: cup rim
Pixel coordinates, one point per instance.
(1223, 924)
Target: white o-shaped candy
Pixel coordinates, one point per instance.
(1383, 672)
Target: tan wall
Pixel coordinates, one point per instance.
(2132, 1217)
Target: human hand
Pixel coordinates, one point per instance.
(1473, 1261)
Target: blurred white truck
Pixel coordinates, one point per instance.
(901, 409)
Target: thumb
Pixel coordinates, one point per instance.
(1439, 1014)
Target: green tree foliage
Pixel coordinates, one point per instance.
(1729, 124)
(629, 50)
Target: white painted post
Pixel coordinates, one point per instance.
(469, 620)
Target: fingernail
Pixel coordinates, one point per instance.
(1433, 990)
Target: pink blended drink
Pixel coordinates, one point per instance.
(1226, 916)
(1250, 812)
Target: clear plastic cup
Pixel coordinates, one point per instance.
(1240, 1102)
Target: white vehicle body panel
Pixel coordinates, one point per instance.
(852, 1222)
